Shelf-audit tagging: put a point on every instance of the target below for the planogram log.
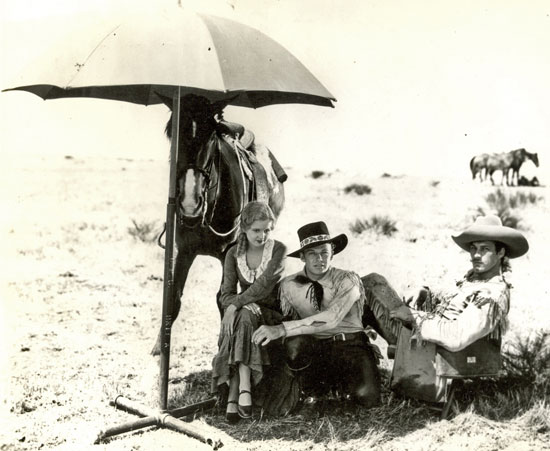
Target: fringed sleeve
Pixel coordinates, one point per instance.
(286, 303)
(342, 276)
(497, 311)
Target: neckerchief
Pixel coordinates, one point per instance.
(314, 292)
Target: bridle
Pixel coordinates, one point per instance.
(205, 218)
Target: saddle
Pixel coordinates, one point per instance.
(258, 162)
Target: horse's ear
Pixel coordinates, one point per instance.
(166, 100)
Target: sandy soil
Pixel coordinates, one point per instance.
(81, 297)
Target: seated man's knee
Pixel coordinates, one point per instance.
(373, 279)
(298, 351)
(367, 383)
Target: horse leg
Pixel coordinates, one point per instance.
(181, 270)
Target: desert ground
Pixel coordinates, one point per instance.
(81, 304)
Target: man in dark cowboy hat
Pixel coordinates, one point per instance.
(325, 337)
(455, 317)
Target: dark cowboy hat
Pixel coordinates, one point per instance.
(490, 228)
(316, 233)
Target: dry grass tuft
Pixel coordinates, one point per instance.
(144, 231)
(505, 206)
(358, 189)
(317, 174)
(381, 225)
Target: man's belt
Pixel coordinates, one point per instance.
(343, 337)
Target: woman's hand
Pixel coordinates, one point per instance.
(228, 320)
(254, 308)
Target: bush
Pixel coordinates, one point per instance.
(143, 231)
(528, 361)
(502, 205)
(317, 174)
(358, 189)
(434, 183)
(381, 225)
(522, 199)
(519, 199)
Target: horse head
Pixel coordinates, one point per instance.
(534, 157)
(197, 150)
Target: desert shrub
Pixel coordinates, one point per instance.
(528, 361)
(358, 189)
(499, 199)
(381, 225)
(502, 205)
(522, 199)
(317, 174)
(434, 183)
(143, 231)
(385, 175)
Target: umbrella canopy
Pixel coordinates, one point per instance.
(206, 55)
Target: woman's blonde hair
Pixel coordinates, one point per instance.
(253, 211)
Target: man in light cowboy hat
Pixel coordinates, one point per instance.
(326, 337)
(457, 317)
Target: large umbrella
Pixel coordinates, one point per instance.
(173, 54)
(206, 55)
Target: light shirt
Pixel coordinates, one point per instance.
(472, 310)
(340, 311)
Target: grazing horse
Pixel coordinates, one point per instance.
(497, 162)
(520, 156)
(477, 165)
(211, 189)
(505, 162)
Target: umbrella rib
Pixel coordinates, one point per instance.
(79, 66)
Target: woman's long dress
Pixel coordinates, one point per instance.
(257, 286)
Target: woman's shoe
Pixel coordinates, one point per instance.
(232, 417)
(245, 412)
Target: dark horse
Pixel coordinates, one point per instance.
(212, 189)
(509, 161)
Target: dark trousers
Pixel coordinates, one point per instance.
(349, 365)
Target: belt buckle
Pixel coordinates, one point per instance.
(336, 337)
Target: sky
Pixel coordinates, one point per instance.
(421, 86)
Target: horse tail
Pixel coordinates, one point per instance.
(472, 167)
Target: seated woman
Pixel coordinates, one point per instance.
(256, 263)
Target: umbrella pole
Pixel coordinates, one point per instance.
(168, 419)
(168, 290)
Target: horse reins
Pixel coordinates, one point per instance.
(205, 221)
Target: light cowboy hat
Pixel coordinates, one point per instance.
(317, 233)
(490, 228)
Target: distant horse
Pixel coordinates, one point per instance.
(478, 164)
(520, 156)
(505, 162)
(212, 189)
